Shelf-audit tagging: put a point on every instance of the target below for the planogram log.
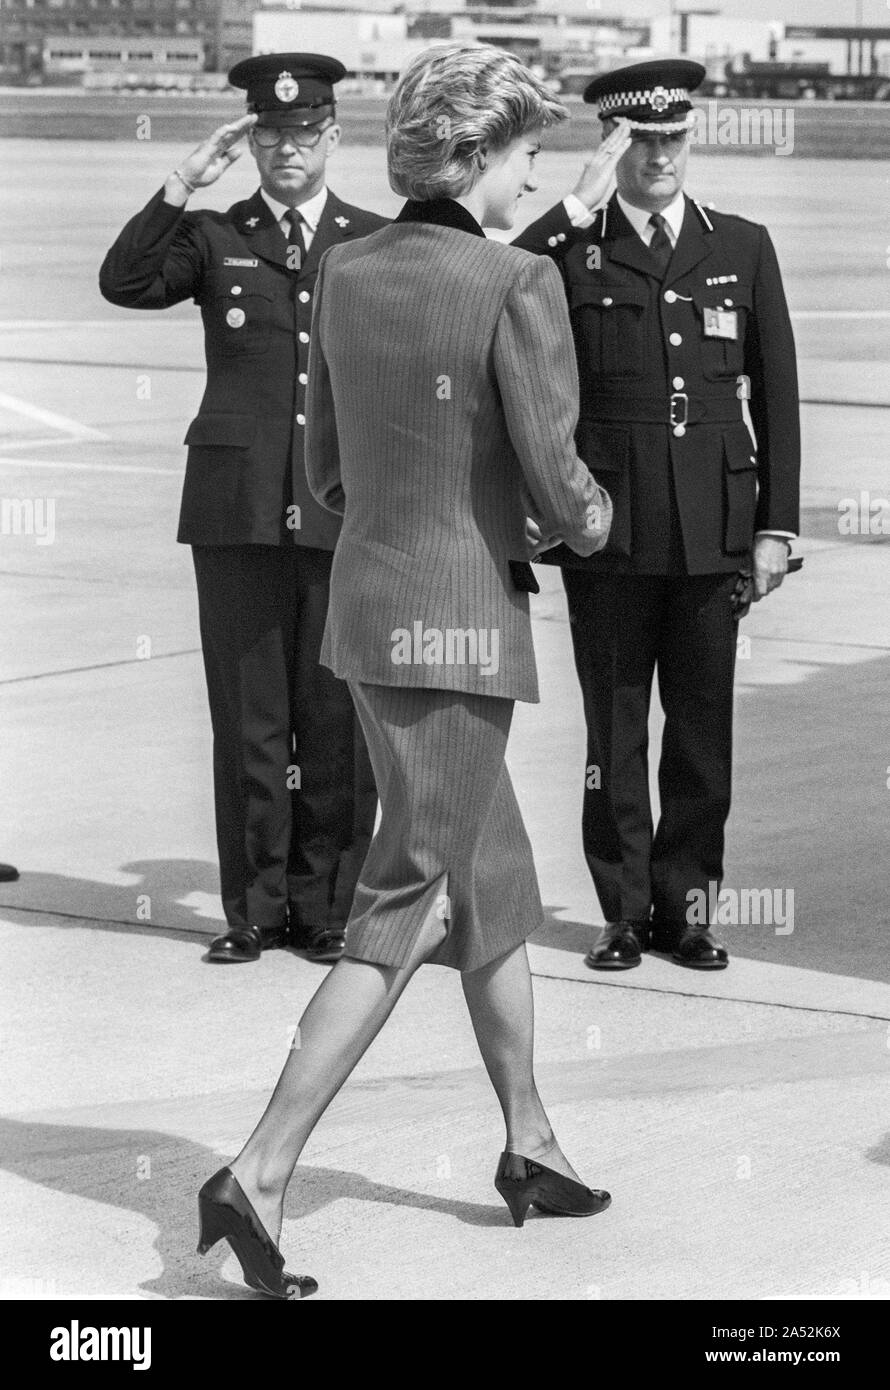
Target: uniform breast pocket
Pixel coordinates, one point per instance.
(609, 327)
(723, 319)
(239, 326)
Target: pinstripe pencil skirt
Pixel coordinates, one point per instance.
(451, 840)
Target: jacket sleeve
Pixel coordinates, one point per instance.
(534, 361)
(771, 365)
(157, 260)
(322, 444)
(541, 237)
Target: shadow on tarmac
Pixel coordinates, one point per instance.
(104, 1165)
(809, 818)
(165, 883)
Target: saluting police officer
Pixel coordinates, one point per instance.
(678, 315)
(294, 791)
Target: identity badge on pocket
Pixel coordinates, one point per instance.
(721, 323)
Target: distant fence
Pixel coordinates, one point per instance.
(808, 129)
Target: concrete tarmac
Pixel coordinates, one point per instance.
(739, 1119)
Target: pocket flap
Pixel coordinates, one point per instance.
(739, 452)
(715, 296)
(608, 296)
(227, 431)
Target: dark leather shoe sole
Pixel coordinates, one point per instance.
(329, 946)
(243, 948)
(591, 960)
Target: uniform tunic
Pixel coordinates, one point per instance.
(667, 359)
(293, 786)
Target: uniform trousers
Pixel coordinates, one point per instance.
(451, 840)
(294, 790)
(625, 627)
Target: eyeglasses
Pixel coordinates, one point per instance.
(307, 137)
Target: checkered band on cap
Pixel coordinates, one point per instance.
(656, 98)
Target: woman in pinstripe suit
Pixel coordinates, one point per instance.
(441, 410)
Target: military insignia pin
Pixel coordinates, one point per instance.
(342, 221)
(286, 88)
(251, 222)
(659, 100)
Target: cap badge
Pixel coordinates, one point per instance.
(659, 98)
(286, 88)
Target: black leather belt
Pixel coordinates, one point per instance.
(678, 410)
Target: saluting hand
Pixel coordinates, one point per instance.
(595, 185)
(205, 164)
(211, 159)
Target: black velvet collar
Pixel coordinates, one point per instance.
(441, 212)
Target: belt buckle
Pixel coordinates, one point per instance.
(679, 426)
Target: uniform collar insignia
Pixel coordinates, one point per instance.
(342, 221)
(251, 222)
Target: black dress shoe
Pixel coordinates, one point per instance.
(523, 1183)
(619, 947)
(323, 943)
(8, 874)
(241, 944)
(698, 949)
(225, 1213)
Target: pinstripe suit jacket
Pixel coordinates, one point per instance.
(441, 408)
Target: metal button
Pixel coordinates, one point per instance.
(303, 296)
(675, 339)
(729, 303)
(679, 383)
(679, 431)
(607, 302)
(236, 289)
(753, 458)
(302, 378)
(235, 318)
(551, 241)
(304, 337)
(670, 296)
(301, 419)
(560, 236)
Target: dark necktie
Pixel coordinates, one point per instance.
(660, 245)
(294, 218)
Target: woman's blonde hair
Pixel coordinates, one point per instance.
(453, 104)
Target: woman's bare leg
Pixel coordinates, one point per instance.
(499, 998)
(341, 1021)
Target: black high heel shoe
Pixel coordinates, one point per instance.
(523, 1183)
(225, 1213)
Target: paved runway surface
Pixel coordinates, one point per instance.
(130, 1066)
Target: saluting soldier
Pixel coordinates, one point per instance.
(679, 315)
(294, 792)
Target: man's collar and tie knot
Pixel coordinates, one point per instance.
(660, 246)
